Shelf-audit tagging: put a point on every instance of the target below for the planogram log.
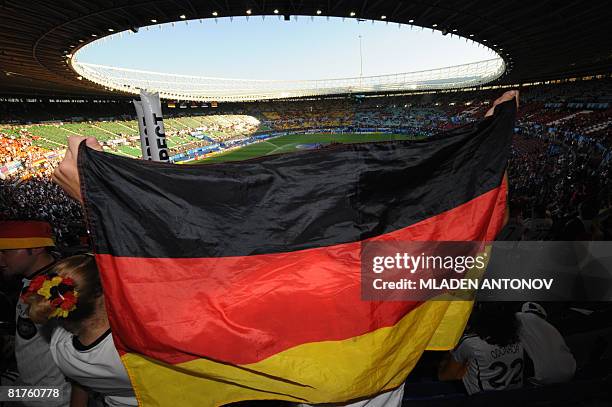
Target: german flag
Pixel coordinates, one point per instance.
(241, 281)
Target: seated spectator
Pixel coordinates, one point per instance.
(490, 356)
(552, 360)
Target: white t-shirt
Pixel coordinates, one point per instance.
(490, 367)
(34, 361)
(391, 398)
(96, 366)
(553, 361)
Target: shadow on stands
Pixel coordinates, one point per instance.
(596, 391)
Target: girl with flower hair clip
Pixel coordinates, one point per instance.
(59, 291)
(82, 345)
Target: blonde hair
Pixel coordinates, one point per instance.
(40, 308)
(82, 269)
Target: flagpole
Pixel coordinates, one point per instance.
(360, 57)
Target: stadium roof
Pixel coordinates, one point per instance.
(539, 40)
(188, 87)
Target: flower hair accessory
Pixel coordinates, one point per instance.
(58, 290)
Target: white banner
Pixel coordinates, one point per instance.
(151, 106)
(142, 130)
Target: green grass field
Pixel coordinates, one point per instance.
(290, 143)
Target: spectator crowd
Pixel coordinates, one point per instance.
(559, 167)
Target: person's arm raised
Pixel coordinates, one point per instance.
(504, 98)
(66, 175)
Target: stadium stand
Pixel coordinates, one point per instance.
(561, 152)
(559, 174)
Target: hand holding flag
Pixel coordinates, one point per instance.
(66, 175)
(509, 95)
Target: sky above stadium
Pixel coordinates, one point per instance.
(274, 49)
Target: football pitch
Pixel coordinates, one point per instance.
(295, 142)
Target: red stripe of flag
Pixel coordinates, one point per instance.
(244, 309)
